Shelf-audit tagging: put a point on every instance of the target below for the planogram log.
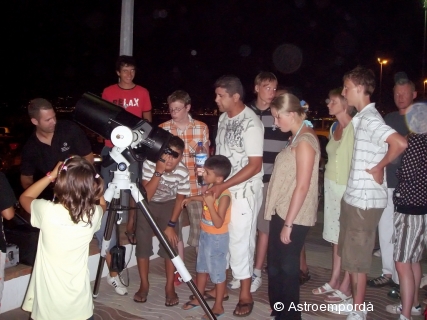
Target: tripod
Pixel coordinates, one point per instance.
(121, 181)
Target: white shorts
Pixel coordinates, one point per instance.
(242, 230)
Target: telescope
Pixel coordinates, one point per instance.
(134, 140)
(138, 136)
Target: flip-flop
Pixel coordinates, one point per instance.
(142, 296)
(169, 299)
(243, 305)
(326, 288)
(130, 236)
(208, 297)
(190, 305)
(337, 297)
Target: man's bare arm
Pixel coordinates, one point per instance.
(8, 213)
(89, 157)
(147, 116)
(26, 181)
(252, 168)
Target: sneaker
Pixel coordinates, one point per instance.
(380, 281)
(397, 309)
(357, 315)
(256, 283)
(343, 308)
(402, 317)
(394, 293)
(117, 285)
(423, 282)
(234, 284)
(377, 253)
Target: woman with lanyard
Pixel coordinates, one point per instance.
(291, 205)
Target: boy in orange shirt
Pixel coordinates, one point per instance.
(214, 237)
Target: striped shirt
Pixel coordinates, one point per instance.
(171, 183)
(274, 140)
(196, 131)
(370, 134)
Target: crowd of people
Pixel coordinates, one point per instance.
(259, 200)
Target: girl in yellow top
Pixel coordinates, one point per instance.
(60, 282)
(214, 238)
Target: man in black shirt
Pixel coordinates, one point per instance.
(51, 142)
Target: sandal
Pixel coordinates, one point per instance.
(208, 297)
(240, 305)
(304, 277)
(171, 301)
(190, 306)
(326, 288)
(337, 297)
(131, 237)
(140, 297)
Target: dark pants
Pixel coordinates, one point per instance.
(283, 263)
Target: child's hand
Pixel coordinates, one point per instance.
(209, 198)
(185, 202)
(54, 172)
(171, 235)
(161, 163)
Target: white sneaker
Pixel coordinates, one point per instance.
(357, 315)
(397, 309)
(377, 253)
(234, 284)
(343, 308)
(117, 285)
(256, 283)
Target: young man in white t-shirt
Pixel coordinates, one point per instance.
(240, 138)
(375, 146)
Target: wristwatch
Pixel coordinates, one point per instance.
(157, 174)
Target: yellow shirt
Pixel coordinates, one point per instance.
(60, 283)
(340, 153)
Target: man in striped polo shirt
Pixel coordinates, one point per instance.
(274, 141)
(375, 146)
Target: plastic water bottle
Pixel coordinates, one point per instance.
(201, 156)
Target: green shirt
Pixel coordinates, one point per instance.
(339, 156)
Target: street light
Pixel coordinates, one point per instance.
(381, 62)
(424, 91)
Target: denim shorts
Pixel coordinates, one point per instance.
(212, 255)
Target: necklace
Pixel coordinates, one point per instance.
(296, 135)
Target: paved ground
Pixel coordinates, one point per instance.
(108, 305)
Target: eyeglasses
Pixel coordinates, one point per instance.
(176, 110)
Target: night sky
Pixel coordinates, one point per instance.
(58, 48)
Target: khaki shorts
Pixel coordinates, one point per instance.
(161, 213)
(357, 237)
(262, 224)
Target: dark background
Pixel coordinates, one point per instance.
(65, 48)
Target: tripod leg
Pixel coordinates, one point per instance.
(176, 260)
(111, 221)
